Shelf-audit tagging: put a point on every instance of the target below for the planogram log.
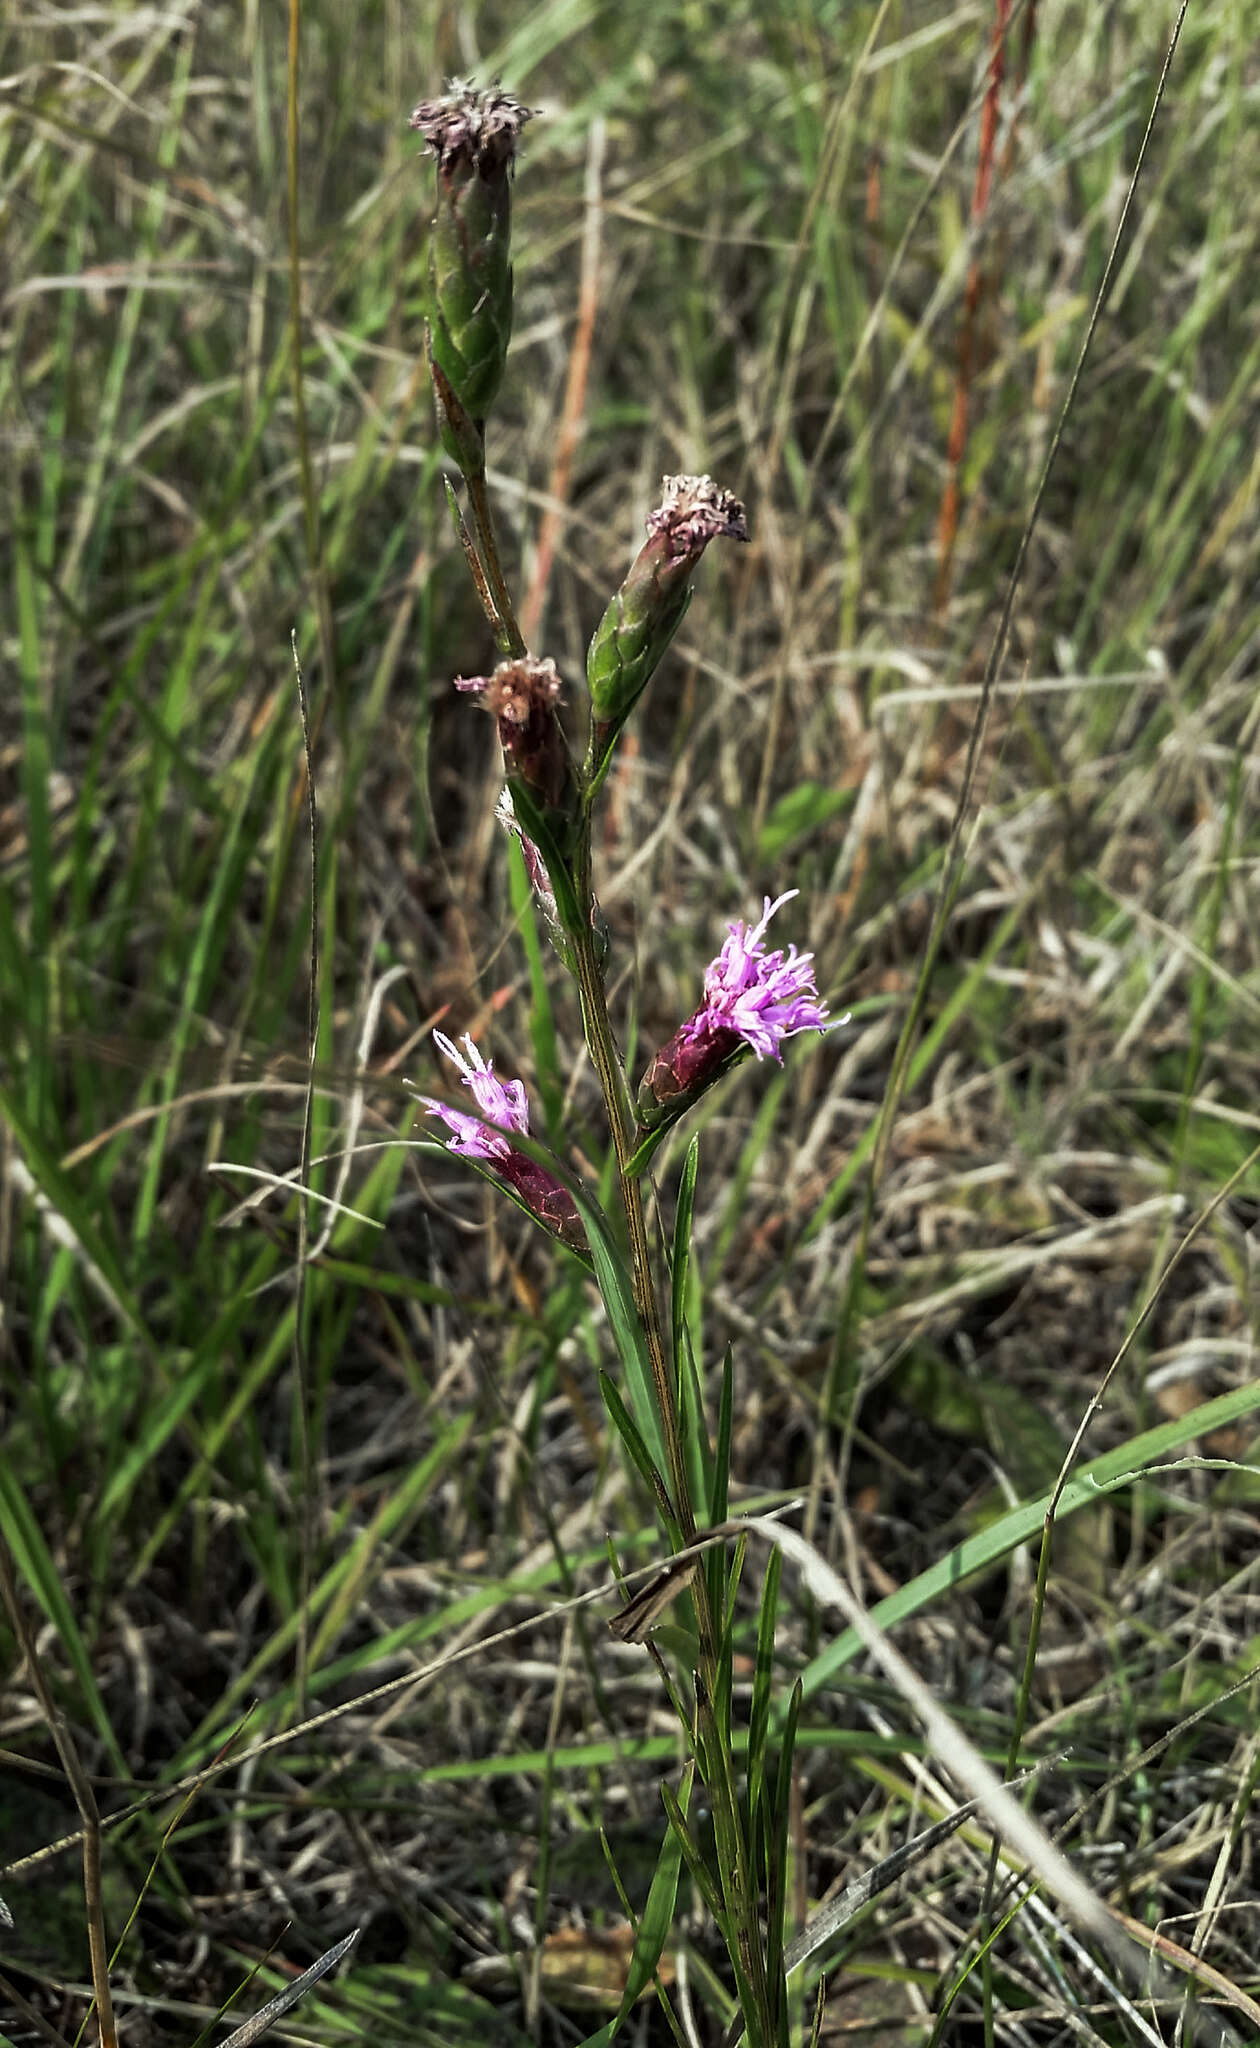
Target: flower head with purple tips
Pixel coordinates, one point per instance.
(765, 997)
(502, 1104)
(504, 1108)
(752, 998)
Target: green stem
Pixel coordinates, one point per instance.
(739, 1883)
(603, 1053)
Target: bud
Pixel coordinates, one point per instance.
(504, 1109)
(473, 134)
(648, 609)
(753, 1000)
(523, 694)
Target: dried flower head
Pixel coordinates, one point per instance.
(647, 611)
(504, 1110)
(692, 512)
(752, 999)
(523, 695)
(472, 125)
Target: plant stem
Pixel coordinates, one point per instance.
(478, 499)
(603, 1053)
(738, 1881)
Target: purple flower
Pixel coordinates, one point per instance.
(502, 1105)
(765, 997)
(504, 1108)
(752, 998)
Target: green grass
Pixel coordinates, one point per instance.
(783, 252)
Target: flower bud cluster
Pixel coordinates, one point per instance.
(754, 997)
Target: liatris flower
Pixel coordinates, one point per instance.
(523, 695)
(473, 134)
(648, 609)
(503, 1109)
(752, 998)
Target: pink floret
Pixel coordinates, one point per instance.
(502, 1105)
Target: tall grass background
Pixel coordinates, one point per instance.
(747, 241)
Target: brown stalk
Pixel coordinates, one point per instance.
(947, 519)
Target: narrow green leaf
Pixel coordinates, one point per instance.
(623, 1320)
(719, 1500)
(776, 1866)
(35, 1565)
(701, 1875)
(763, 1678)
(542, 1023)
(657, 1920)
(1116, 1468)
(627, 1429)
(720, 1467)
(683, 1211)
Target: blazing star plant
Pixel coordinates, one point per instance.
(754, 998)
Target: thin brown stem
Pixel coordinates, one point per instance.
(483, 522)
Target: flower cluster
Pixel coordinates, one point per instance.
(504, 1109)
(752, 999)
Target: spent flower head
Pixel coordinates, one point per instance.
(753, 998)
(473, 133)
(523, 695)
(504, 1112)
(647, 610)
